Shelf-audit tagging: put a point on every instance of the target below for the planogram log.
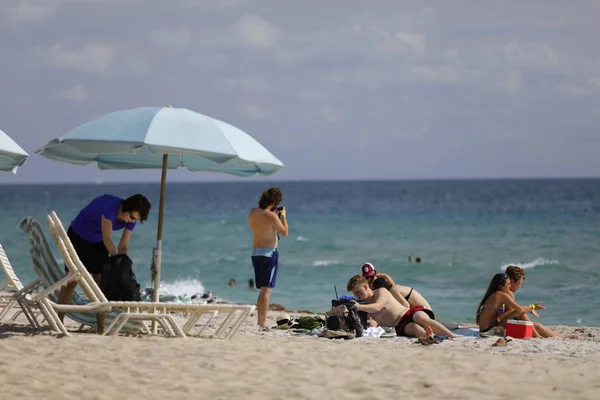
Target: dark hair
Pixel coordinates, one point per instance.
(515, 273)
(270, 196)
(495, 285)
(138, 203)
(381, 283)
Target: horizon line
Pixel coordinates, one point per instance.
(100, 182)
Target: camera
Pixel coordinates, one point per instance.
(280, 208)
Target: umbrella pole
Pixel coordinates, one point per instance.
(157, 253)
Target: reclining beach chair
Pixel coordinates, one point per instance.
(46, 267)
(18, 296)
(163, 313)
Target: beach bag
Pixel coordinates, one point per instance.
(342, 323)
(347, 301)
(118, 281)
(309, 322)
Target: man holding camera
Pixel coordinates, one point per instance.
(266, 222)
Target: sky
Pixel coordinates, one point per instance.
(336, 89)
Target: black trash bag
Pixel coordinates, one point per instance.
(118, 280)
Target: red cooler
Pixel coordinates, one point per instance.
(519, 329)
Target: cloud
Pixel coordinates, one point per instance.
(510, 82)
(29, 12)
(588, 86)
(254, 31)
(441, 74)
(403, 42)
(94, 58)
(530, 55)
(75, 93)
(311, 94)
(572, 89)
(330, 114)
(256, 111)
(221, 4)
(180, 38)
(246, 83)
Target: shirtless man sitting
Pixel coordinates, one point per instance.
(383, 308)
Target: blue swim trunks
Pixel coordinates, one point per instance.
(266, 266)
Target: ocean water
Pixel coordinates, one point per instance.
(464, 231)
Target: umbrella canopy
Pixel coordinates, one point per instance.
(138, 138)
(11, 154)
(162, 138)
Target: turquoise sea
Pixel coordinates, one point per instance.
(465, 231)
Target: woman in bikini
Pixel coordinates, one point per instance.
(405, 295)
(491, 312)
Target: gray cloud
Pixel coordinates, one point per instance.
(337, 90)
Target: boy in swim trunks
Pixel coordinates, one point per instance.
(265, 222)
(387, 311)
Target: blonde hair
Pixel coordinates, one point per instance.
(356, 281)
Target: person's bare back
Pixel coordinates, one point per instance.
(265, 222)
(262, 225)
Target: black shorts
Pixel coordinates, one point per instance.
(265, 270)
(92, 255)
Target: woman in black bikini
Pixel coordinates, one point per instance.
(491, 312)
(405, 295)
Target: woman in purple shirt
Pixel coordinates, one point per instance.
(91, 235)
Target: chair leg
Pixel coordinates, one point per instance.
(224, 325)
(191, 322)
(176, 327)
(113, 324)
(206, 325)
(7, 307)
(14, 316)
(241, 317)
(52, 317)
(145, 329)
(165, 327)
(28, 314)
(121, 325)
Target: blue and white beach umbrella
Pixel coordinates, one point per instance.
(162, 138)
(12, 155)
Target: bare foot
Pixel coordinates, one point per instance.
(429, 332)
(501, 342)
(427, 340)
(575, 337)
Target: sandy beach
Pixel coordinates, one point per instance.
(280, 364)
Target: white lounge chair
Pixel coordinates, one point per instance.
(161, 312)
(47, 268)
(16, 296)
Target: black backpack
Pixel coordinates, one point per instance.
(118, 280)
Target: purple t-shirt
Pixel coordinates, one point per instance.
(88, 223)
